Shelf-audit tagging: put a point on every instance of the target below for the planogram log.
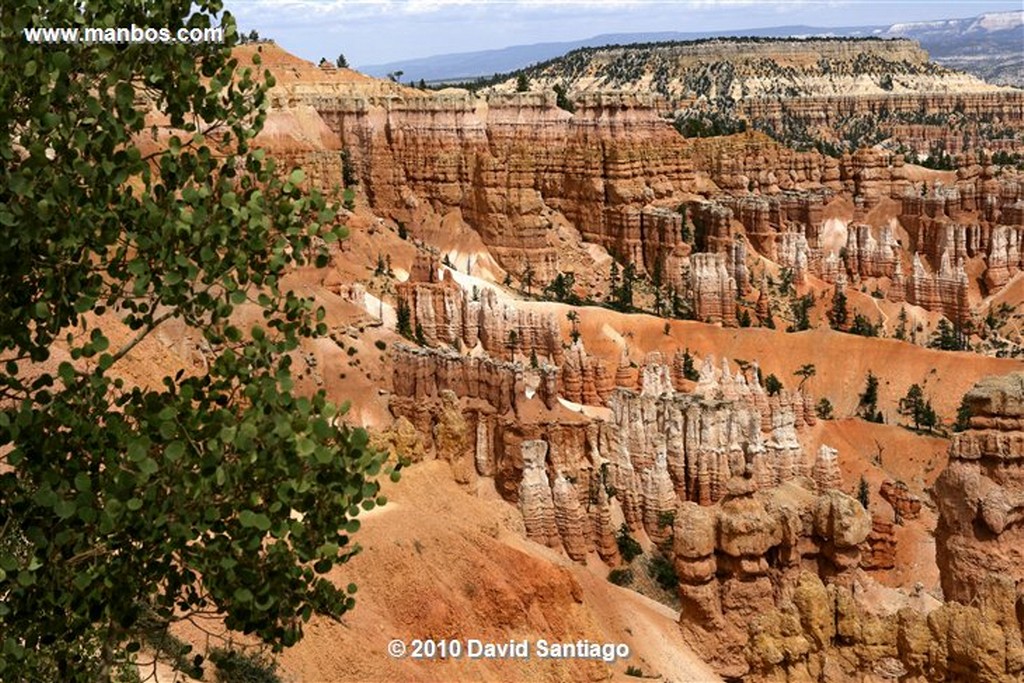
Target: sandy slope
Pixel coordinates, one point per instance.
(441, 563)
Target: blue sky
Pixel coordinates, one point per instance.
(376, 31)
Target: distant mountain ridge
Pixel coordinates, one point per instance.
(988, 45)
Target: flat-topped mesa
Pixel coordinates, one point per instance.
(808, 82)
(980, 494)
(446, 314)
(900, 115)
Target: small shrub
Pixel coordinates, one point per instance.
(963, 416)
(661, 570)
(864, 492)
(352, 351)
(234, 666)
(824, 409)
(126, 673)
(621, 577)
(404, 325)
(801, 313)
(629, 548)
(381, 344)
(666, 518)
(634, 671)
(772, 384)
(862, 326)
(689, 369)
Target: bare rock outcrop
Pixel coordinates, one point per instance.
(870, 257)
(510, 158)
(980, 494)
(401, 440)
(824, 632)
(714, 288)
(752, 160)
(659, 446)
(905, 505)
(1005, 255)
(446, 314)
(821, 631)
(879, 549)
(536, 502)
(584, 378)
(826, 469)
(734, 558)
(944, 291)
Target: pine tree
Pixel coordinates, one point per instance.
(527, 277)
(839, 314)
(404, 322)
(947, 337)
(864, 493)
(613, 282)
(901, 328)
(801, 313)
(863, 327)
(963, 416)
(806, 371)
(913, 403)
(624, 300)
(868, 407)
(689, 371)
(574, 318)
